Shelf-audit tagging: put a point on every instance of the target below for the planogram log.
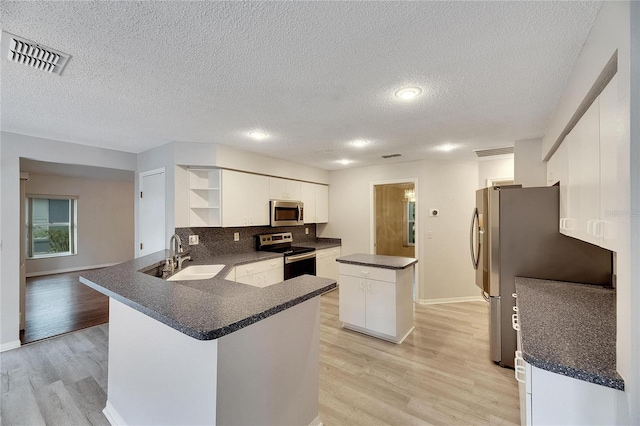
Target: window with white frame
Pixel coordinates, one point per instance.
(51, 225)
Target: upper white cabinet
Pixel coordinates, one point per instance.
(316, 202)
(284, 189)
(245, 199)
(585, 164)
(204, 197)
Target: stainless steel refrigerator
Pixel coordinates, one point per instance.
(514, 232)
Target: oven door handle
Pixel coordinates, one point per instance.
(291, 259)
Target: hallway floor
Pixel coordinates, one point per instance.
(60, 303)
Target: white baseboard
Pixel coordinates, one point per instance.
(62, 271)
(112, 415)
(11, 345)
(450, 300)
(316, 422)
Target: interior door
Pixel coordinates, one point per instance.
(152, 236)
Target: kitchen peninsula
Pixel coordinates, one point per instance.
(210, 351)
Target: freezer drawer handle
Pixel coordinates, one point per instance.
(520, 369)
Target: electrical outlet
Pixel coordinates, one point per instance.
(306, 231)
(236, 236)
(194, 240)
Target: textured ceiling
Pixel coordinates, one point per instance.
(313, 75)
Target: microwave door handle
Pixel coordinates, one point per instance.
(300, 218)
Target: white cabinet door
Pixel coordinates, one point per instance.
(352, 300)
(234, 202)
(257, 198)
(308, 197)
(606, 229)
(380, 306)
(322, 203)
(588, 134)
(326, 265)
(316, 202)
(284, 189)
(245, 199)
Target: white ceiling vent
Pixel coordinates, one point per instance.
(32, 54)
(494, 151)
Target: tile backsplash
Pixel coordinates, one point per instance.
(219, 241)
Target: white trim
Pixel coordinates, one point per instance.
(316, 422)
(151, 172)
(112, 415)
(9, 346)
(62, 271)
(450, 300)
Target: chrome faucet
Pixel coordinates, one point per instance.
(175, 256)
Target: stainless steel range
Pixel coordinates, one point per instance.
(297, 260)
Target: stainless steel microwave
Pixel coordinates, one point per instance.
(287, 213)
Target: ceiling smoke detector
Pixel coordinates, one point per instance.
(494, 151)
(32, 54)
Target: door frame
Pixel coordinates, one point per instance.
(372, 222)
(141, 176)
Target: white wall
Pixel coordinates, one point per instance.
(445, 269)
(105, 229)
(611, 32)
(12, 147)
(528, 167)
(500, 168)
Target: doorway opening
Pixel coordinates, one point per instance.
(395, 219)
(72, 218)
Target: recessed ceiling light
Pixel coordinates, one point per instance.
(344, 161)
(408, 93)
(360, 143)
(446, 147)
(258, 135)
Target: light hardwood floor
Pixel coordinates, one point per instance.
(441, 374)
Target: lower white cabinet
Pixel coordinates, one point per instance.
(377, 301)
(258, 274)
(554, 399)
(326, 265)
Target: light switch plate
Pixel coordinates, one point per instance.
(194, 240)
(236, 236)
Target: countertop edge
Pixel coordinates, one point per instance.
(376, 265)
(575, 373)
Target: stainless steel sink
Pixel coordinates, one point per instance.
(196, 272)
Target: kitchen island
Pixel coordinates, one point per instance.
(376, 295)
(210, 351)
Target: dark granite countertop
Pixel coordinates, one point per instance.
(202, 309)
(378, 261)
(569, 329)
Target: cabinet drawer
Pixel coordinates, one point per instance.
(258, 267)
(368, 272)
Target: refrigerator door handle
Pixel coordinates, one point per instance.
(475, 248)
